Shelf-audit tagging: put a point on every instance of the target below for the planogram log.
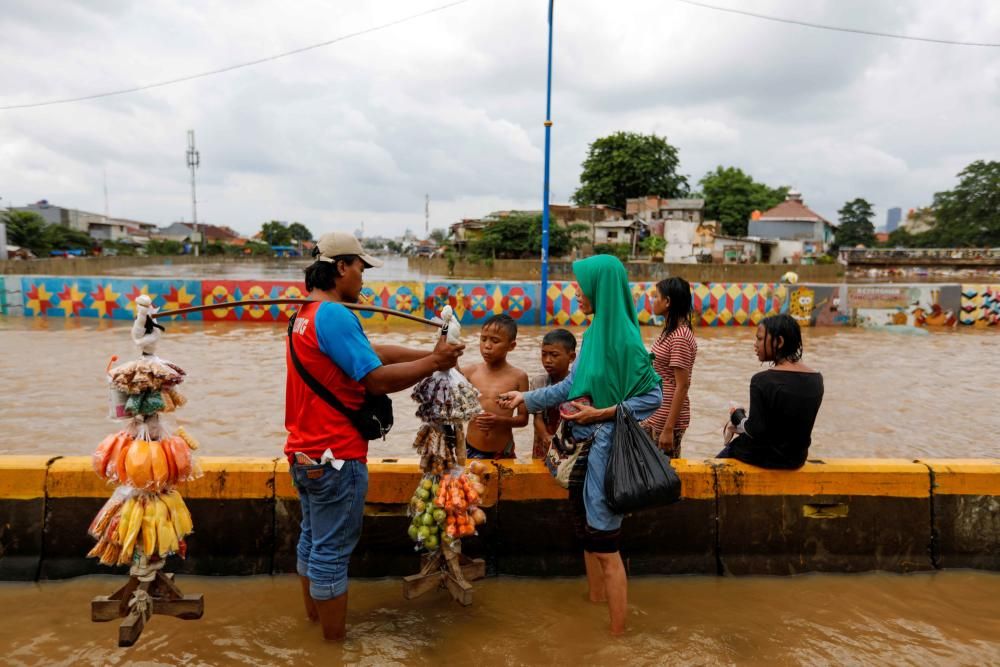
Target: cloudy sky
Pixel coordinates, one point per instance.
(451, 104)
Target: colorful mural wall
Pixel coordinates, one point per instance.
(980, 305)
(715, 304)
(475, 302)
(905, 305)
(110, 298)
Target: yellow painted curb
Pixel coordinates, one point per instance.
(228, 478)
(392, 481)
(388, 483)
(896, 478)
(965, 477)
(74, 477)
(23, 477)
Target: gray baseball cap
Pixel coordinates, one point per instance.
(336, 244)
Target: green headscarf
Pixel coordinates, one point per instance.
(613, 365)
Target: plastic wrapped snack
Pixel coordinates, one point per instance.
(146, 462)
(446, 397)
(156, 523)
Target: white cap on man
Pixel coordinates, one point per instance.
(339, 244)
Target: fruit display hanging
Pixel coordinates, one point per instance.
(145, 521)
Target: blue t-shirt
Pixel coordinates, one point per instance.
(342, 339)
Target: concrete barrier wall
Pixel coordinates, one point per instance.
(715, 304)
(531, 269)
(830, 516)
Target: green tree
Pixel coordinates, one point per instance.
(856, 224)
(439, 235)
(654, 245)
(969, 214)
(276, 233)
(28, 230)
(520, 236)
(731, 195)
(65, 238)
(627, 164)
(164, 247)
(395, 246)
(619, 250)
(299, 232)
(258, 248)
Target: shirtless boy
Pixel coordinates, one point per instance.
(491, 434)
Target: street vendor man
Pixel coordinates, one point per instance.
(334, 374)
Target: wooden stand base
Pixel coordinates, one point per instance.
(445, 568)
(137, 600)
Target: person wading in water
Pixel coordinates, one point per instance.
(325, 450)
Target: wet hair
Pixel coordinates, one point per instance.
(785, 327)
(560, 337)
(321, 274)
(504, 323)
(678, 291)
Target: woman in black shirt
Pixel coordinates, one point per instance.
(784, 401)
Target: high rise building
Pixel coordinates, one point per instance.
(892, 219)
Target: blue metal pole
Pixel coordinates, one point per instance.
(544, 301)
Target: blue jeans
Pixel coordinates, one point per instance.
(333, 508)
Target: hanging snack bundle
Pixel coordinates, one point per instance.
(445, 509)
(133, 457)
(145, 520)
(158, 523)
(144, 387)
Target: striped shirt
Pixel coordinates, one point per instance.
(676, 350)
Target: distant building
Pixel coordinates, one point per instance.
(619, 231)
(656, 210)
(892, 219)
(96, 225)
(184, 231)
(689, 242)
(801, 233)
(919, 220)
(467, 231)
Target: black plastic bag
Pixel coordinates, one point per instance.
(639, 474)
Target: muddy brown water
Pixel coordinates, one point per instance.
(887, 394)
(947, 618)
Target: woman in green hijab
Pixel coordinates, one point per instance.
(613, 369)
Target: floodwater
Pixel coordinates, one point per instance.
(395, 268)
(946, 618)
(888, 394)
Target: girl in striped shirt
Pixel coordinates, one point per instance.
(673, 360)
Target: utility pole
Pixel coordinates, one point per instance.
(544, 300)
(427, 216)
(193, 160)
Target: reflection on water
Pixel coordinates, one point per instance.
(887, 394)
(940, 618)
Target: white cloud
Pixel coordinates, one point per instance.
(452, 104)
